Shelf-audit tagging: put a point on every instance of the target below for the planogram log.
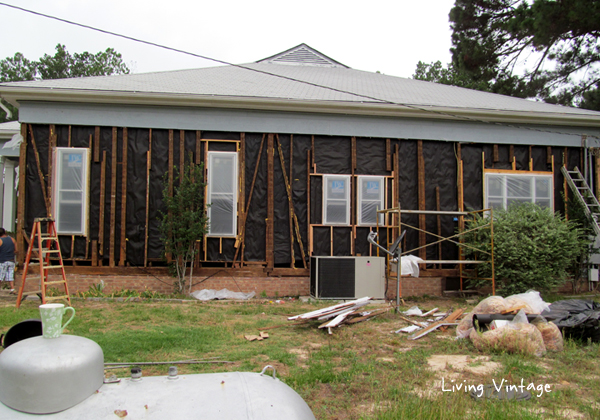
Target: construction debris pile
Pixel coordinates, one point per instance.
(437, 320)
(513, 324)
(340, 314)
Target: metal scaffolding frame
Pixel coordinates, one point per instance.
(455, 239)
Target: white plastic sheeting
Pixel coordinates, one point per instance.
(336, 200)
(370, 199)
(71, 185)
(222, 194)
(504, 189)
(209, 294)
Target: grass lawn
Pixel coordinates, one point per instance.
(361, 371)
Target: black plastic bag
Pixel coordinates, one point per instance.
(578, 319)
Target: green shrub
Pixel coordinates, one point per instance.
(533, 248)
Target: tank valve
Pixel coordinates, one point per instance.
(173, 373)
(136, 374)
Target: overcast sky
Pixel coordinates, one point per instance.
(389, 36)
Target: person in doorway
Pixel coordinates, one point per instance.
(7, 259)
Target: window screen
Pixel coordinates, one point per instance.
(370, 199)
(70, 190)
(502, 190)
(222, 193)
(336, 199)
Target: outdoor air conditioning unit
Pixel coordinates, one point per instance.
(347, 277)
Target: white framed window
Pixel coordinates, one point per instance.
(70, 182)
(503, 189)
(222, 193)
(371, 193)
(336, 199)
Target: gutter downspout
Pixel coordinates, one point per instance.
(5, 109)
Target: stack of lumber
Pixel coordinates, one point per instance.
(342, 313)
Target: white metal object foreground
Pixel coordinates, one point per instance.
(232, 395)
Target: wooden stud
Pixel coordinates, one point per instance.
(69, 137)
(270, 204)
(148, 167)
(439, 222)
(549, 155)
(597, 175)
(530, 159)
(396, 193)
(94, 253)
(123, 253)
(52, 140)
(242, 177)
(21, 197)
(308, 192)
(495, 154)
(205, 239)
(97, 144)
(331, 240)
(170, 171)
(39, 169)
(72, 246)
(312, 153)
(102, 205)
(388, 155)
(290, 202)
(181, 149)
(198, 146)
(113, 197)
(353, 191)
(421, 194)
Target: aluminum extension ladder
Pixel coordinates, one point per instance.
(41, 247)
(585, 195)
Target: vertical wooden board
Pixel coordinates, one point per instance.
(312, 152)
(388, 155)
(421, 194)
(113, 198)
(94, 253)
(97, 144)
(549, 154)
(21, 196)
(170, 171)
(123, 253)
(51, 147)
(102, 204)
(439, 222)
(495, 156)
(290, 177)
(181, 149)
(69, 139)
(308, 202)
(148, 167)
(396, 194)
(242, 177)
(270, 204)
(198, 147)
(353, 183)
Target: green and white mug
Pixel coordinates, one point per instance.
(52, 314)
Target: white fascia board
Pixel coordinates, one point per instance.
(14, 95)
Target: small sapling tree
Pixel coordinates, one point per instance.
(184, 221)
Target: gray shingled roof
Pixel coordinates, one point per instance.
(327, 82)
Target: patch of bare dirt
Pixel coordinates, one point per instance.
(479, 365)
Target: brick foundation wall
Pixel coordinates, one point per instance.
(416, 286)
(271, 286)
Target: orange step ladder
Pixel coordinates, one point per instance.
(43, 246)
